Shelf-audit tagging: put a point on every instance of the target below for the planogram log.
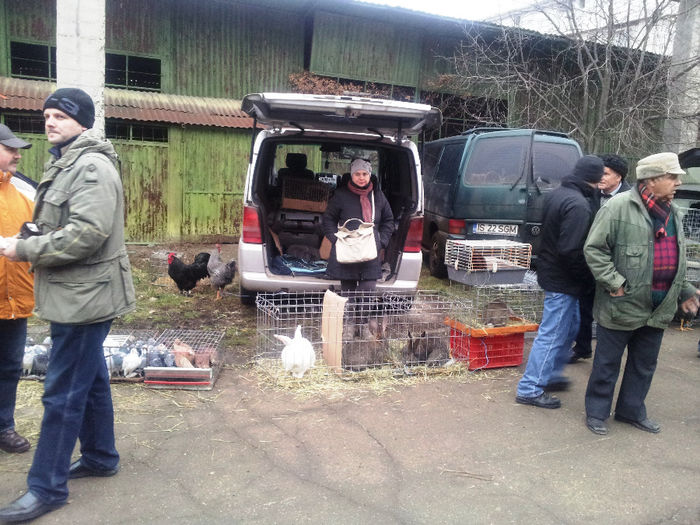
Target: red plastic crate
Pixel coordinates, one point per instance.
(487, 352)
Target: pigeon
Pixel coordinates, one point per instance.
(131, 362)
(297, 355)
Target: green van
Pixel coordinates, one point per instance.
(490, 183)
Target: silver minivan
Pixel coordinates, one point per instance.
(297, 160)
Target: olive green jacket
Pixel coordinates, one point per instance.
(82, 271)
(619, 251)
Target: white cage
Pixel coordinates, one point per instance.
(492, 261)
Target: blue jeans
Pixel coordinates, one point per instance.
(550, 350)
(13, 334)
(643, 346)
(77, 404)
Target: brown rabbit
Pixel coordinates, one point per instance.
(364, 345)
(425, 349)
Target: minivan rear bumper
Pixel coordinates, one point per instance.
(255, 278)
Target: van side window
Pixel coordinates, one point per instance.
(449, 163)
(551, 162)
(499, 161)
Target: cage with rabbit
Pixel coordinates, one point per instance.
(184, 360)
(354, 331)
(491, 261)
(492, 334)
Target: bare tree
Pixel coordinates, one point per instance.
(601, 75)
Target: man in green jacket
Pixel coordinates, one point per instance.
(82, 282)
(635, 250)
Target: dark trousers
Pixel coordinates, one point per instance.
(13, 335)
(77, 404)
(585, 332)
(642, 353)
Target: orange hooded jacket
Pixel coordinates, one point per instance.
(16, 283)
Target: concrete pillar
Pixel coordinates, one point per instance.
(681, 133)
(80, 49)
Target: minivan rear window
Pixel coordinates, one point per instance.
(496, 160)
(551, 162)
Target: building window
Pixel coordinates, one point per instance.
(132, 72)
(33, 61)
(117, 129)
(24, 123)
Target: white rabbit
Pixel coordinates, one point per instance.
(297, 355)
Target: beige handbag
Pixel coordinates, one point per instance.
(354, 246)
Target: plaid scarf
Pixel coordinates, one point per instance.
(364, 200)
(658, 211)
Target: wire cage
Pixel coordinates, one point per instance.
(691, 229)
(304, 194)
(359, 330)
(503, 305)
(492, 334)
(492, 261)
(184, 359)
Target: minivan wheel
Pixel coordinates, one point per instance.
(436, 258)
(247, 297)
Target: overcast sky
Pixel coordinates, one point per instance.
(465, 9)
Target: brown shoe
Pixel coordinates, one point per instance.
(11, 441)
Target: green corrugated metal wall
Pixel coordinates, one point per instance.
(212, 165)
(191, 187)
(232, 50)
(188, 189)
(349, 47)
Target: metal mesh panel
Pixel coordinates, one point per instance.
(374, 329)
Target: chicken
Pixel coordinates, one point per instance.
(220, 274)
(186, 276)
(297, 355)
(183, 353)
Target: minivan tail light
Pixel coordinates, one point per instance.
(414, 236)
(251, 226)
(457, 226)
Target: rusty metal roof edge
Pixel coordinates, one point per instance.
(145, 106)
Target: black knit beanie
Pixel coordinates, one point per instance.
(615, 163)
(588, 168)
(75, 103)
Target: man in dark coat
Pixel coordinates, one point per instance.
(563, 274)
(612, 183)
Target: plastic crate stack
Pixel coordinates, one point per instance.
(506, 306)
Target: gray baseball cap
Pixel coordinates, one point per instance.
(7, 138)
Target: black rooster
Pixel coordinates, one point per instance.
(187, 275)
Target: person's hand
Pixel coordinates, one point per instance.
(691, 305)
(619, 292)
(10, 248)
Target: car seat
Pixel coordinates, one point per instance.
(296, 167)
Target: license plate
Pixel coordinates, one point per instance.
(495, 229)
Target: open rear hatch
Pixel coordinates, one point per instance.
(338, 112)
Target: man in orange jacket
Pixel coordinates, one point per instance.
(16, 291)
